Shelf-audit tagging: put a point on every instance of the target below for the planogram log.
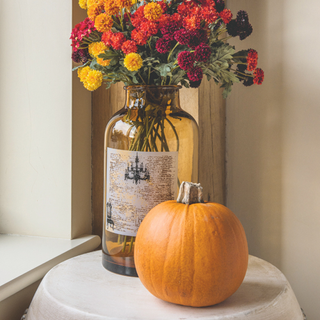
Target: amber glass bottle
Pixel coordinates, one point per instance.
(150, 147)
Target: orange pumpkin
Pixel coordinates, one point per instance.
(189, 252)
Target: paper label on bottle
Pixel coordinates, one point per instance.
(136, 182)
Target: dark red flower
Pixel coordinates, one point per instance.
(232, 28)
(195, 84)
(258, 76)
(163, 45)
(202, 52)
(219, 5)
(197, 37)
(81, 30)
(182, 36)
(186, 60)
(195, 74)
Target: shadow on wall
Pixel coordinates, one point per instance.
(254, 146)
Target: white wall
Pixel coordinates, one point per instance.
(39, 130)
(273, 148)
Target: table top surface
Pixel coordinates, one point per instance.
(81, 289)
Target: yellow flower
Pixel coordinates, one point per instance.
(83, 4)
(83, 72)
(102, 62)
(134, 2)
(111, 7)
(103, 22)
(133, 61)
(94, 2)
(152, 11)
(93, 80)
(95, 48)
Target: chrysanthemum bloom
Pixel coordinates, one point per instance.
(117, 40)
(244, 33)
(258, 76)
(202, 52)
(133, 61)
(163, 45)
(182, 36)
(170, 28)
(152, 11)
(242, 19)
(103, 22)
(94, 2)
(248, 81)
(226, 15)
(80, 56)
(102, 62)
(197, 37)
(186, 60)
(93, 80)
(129, 46)
(111, 7)
(83, 72)
(185, 8)
(149, 28)
(209, 14)
(219, 5)
(124, 4)
(83, 4)
(195, 84)
(94, 10)
(252, 59)
(95, 48)
(163, 6)
(138, 17)
(192, 22)
(139, 37)
(195, 74)
(106, 38)
(163, 20)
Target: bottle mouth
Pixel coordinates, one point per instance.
(143, 86)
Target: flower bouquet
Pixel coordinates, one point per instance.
(154, 48)
(165, 42)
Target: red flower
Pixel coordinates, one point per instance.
(129, 46)
(182, 36)
(138, 17)
(106, 38)
(186, 60)
(195, 74)
(163, 6)
(185, 8)
(258, 75)
(163, 20)
(192, 22)
(139, 37)
(252, 59)
(149, 28)
(226, 15)
(117, 40)
(209, 14)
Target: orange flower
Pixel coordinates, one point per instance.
(93, 11)
(103, 22)
(102, 62)
(95, 48)
(83, 4)
(124, 3)
(111, 7)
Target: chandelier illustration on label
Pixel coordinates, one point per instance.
(136, 173)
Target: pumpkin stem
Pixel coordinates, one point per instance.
(190, 192)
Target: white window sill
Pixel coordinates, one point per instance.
(25, 259)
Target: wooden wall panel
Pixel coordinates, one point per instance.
(212, 142)
(206, 106)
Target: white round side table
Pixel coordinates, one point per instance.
(81, 289)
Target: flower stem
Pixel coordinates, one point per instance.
(172, 51)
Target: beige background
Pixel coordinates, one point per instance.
(273, 146)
